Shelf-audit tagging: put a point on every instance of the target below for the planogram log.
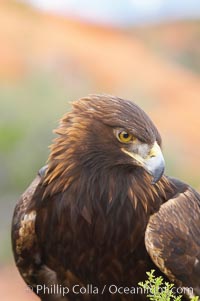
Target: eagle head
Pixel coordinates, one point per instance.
(103, 133)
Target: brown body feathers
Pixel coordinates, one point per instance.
(101, 213)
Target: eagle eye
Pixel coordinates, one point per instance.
(125, 137)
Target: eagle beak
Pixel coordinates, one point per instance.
(152, 160)
(154, 163)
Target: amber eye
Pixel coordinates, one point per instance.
(125, 137)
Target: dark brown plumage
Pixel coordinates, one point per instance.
(102, 212)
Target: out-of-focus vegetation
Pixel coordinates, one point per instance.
(177, 42)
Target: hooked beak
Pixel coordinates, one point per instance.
(153, 162)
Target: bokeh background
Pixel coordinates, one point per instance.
(53, 52)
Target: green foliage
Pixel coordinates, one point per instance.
(158, 290)
(10, 135)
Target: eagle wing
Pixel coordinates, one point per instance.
(172, 238)
(24, 242)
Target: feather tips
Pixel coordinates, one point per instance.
(173, 238)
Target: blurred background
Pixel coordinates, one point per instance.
(53, 52)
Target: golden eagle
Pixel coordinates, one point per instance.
(102, 213)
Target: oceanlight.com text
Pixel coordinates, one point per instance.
(112, 289)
